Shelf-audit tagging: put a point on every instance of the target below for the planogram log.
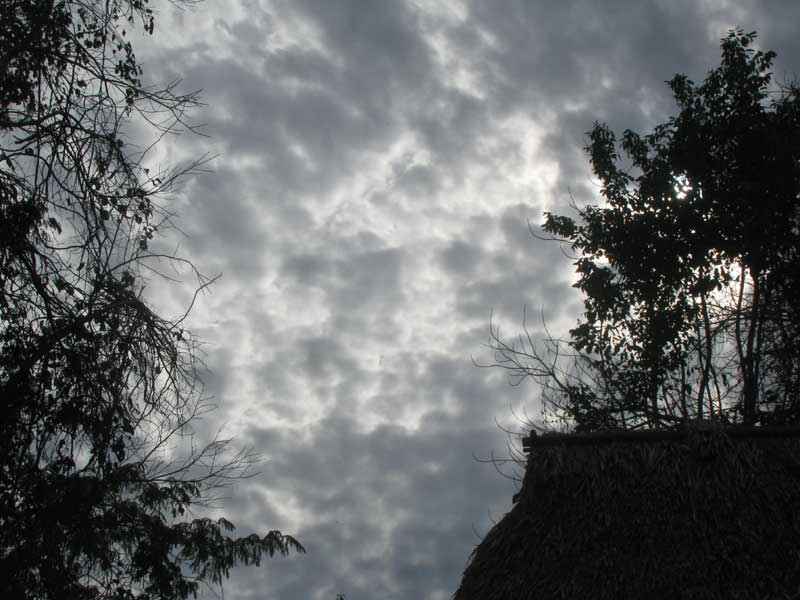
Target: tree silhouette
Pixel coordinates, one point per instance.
(689, 269)
(99, 470)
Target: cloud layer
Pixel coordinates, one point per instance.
(379, 166)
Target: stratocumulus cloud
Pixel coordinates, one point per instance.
(379, 167)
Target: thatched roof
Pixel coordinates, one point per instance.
(704, 513)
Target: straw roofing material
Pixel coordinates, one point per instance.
(708, 515)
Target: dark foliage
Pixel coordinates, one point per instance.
(689, 269)
(99, 470)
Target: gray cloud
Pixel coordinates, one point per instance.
(379, 166)
(363, 495)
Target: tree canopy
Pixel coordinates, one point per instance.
(99, 468)
(689, 266)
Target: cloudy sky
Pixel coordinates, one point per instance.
(379, 164)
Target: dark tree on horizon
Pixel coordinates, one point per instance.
(690, 267)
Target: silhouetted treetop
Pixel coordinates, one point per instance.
(689, 267)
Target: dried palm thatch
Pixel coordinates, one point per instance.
(705, 513)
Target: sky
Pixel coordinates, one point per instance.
(378, 168)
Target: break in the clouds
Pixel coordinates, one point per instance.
(379, 166)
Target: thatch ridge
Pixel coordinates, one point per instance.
(653, 435)
(706, 515)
